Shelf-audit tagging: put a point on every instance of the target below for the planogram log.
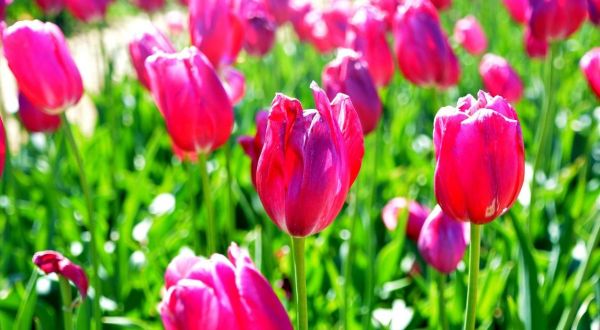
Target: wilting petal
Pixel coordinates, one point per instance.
(54, 262)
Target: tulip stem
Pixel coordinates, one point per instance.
(65, 296)
(193, 194)
(301, 302)
(91, 221)
(473, 274)
(211, 234)
(441, 284)
(230, 205)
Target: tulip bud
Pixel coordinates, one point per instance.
(499, 78)
(260, 29)
(480, 158)
(34, 119)
(88, 10)
(441, 4)
(196, 108)
(469, 34)
(3, 147)
(349, 75)
(518, 10)
(220, 293)
(54, 262)
(50, 7)
(234, 83)
(443, 241)
(556, 19)
(46, 73)
(309, 161)
(149, 5)
(144, 44)
(253, 145)
(416, 213)
(590, 65)
(594, 11)
(535, 48)
(368, 37)
(422, 62)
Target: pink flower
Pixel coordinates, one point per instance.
(469, 34)
(535, 48)
(590, 65)
(518, 10)
(54, 262)
(145, 44)
(50, 7)
(594, 11)
(34, 119)
(260, 28)
(88, 10)
(234, 83)
(442, 4)
(499, 78)
(556, 19)
(416, 216)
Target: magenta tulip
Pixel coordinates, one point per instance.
(54, 262)
(3, 147)
(535, 48)
(88, 10)
(220, 293)
(34, 119)
(145, 44)
(388, 7)
(416, 214)
(46, 73)
(556, 19)
(441, 4)
(499, 78)
(349, 75)
(196, 108)
(309, 161)
(234, 83)
(469, 34)
(518, 10)
(590, 65)
(260, 28)
(253, 145)
(149, 5)
(594, 11)
(367, 36)
(50, 7)
(480, 160)
(280, 9)
(443, 241)
(300, 11)
(424, 54)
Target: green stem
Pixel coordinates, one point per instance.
(349, 260)
(441, 284)
(27, 305)
(473, 274)
(230, 204)
(192, 189)
(301, 302)
(65, 295)
(211, 232)
(91, 222)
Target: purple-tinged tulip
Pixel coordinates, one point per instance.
(348, 74)
(88, 10)
(499, 78)
(260, 28)
(220, 293)
(443, 241)
(441, 4)
(424, 54)
(416, 214)
(480, 158)
(594, 11)
(50, 7)
(556, 19)
(191, 98)
(144, 44)
(518, 10)
(149, 5)
(469, 34)
(234, 83)
(279, 9)
(309, 161)
(46, 72)
(368, 37)
(253, 145)
(54, 262)
(3, 147)
(590, 65)
(34, 119)
(535, 48)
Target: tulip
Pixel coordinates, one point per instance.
(189, 95)
(535, 48)
(260, 29)
(216, 30)
(88, 10)
(479, 158)
(46, 74)
(368, 37)
(2, 147)
(441, 4)
(3, 5)
(590, 65)
(556, 19)
(184, 2)
(416, 216)
(424, 54)
(253, 145)
(594, 11)
(279, 9)
(337, 21)
(149, 5)
(54, 262)
(50, 7)
(388, 7)
(349, 75)
(325, 29)
(518, 10)
(499, 78)
(36, 120)
(234, 83)
(300, 10)
(220, 293)
(308, 162)
(443, 241)
(469, 34)
(144, 44)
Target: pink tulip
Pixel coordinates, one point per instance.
(34, 119)
(443, 241)
(300, 10)
(145, 44)
(442, 4)
(189, 95)
(535, 48)
(368, 37)
(2, 147)
(234, 83)
(348, 74)
(54, 262)
(499, 78)
(469, 34)
(220, 293)
(594, 11)
(326, 29)
(50, 7)
(253, 145)
(88, 10)
(480, 162)
(518, 10)
(424, 54)
(279, 9)
(149, 5)
(556, 19)
(260, 28)
(389, 8)
(590, 65)
(416, 214)
(308, 162)
(46, 73)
